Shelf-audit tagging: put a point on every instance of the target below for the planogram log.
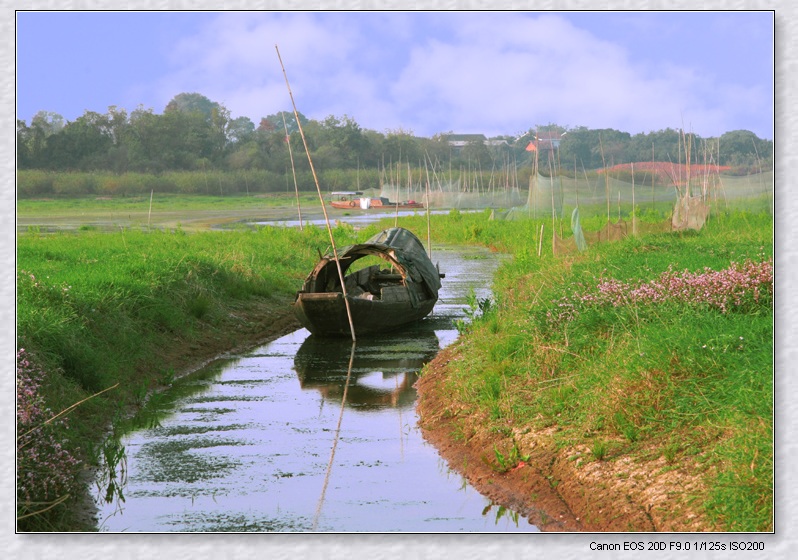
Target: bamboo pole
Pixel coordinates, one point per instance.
(606, 179)
(429, 236)
(634, 221)
(149, 214)
(540, 240)
(396, 208)
(293, 170)
(553, 212)
(321, 199)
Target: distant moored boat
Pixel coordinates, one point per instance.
(349, 200)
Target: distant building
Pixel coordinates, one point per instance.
(545, 140)
(459, 141)
(496, 142)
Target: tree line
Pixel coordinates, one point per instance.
(194, 133)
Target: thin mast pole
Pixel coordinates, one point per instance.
(429, 236)
(293, 171)
(321, 198)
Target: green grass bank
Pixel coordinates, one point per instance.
(653, 352)
(119, 314)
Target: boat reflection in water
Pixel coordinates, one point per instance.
(384, 367)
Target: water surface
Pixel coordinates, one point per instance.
(265, 441)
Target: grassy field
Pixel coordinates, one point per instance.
(684, 379)
(98, 205)
(165, 211)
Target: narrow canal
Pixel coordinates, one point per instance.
(265, 441)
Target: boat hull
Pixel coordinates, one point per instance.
(374, 204)
(344, 204)
(325, 314)
(402, 289)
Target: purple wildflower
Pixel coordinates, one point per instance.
(45, 469)
(738, 286)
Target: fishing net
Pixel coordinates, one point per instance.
(576, 227)
(446, 195)
(593, 193)
(602, 193)
(629, 207)
(689, 212)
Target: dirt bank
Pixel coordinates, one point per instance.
(250, 324)
(562, 489)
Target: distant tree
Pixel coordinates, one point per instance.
(117, 124)
(49, 122)
(475, 154)
(612, 145)
(744, 148)
(577, 146)
(142, 140)
(24, 145)
(81, 145)
(592, 148)
(401, 145)
(551, 127)
(219, 133)
(33, 138)
(274, 123)
(240, 130)
(437, 150)
(195, 132)
(190, 103)
(118, 129)
(345, 137)
(174, 140)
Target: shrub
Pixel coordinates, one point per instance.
(34, 183)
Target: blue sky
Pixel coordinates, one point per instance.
(494, 73)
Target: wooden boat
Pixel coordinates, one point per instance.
(354, 200)
(382, 297)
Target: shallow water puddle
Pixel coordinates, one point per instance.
(261, 442)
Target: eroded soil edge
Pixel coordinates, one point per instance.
(556, 489)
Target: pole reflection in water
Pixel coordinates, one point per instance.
(337, 434)
(307, 434)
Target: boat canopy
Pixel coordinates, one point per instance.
(380, 299)
(404, 247)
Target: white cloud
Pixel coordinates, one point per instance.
(494, 73)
